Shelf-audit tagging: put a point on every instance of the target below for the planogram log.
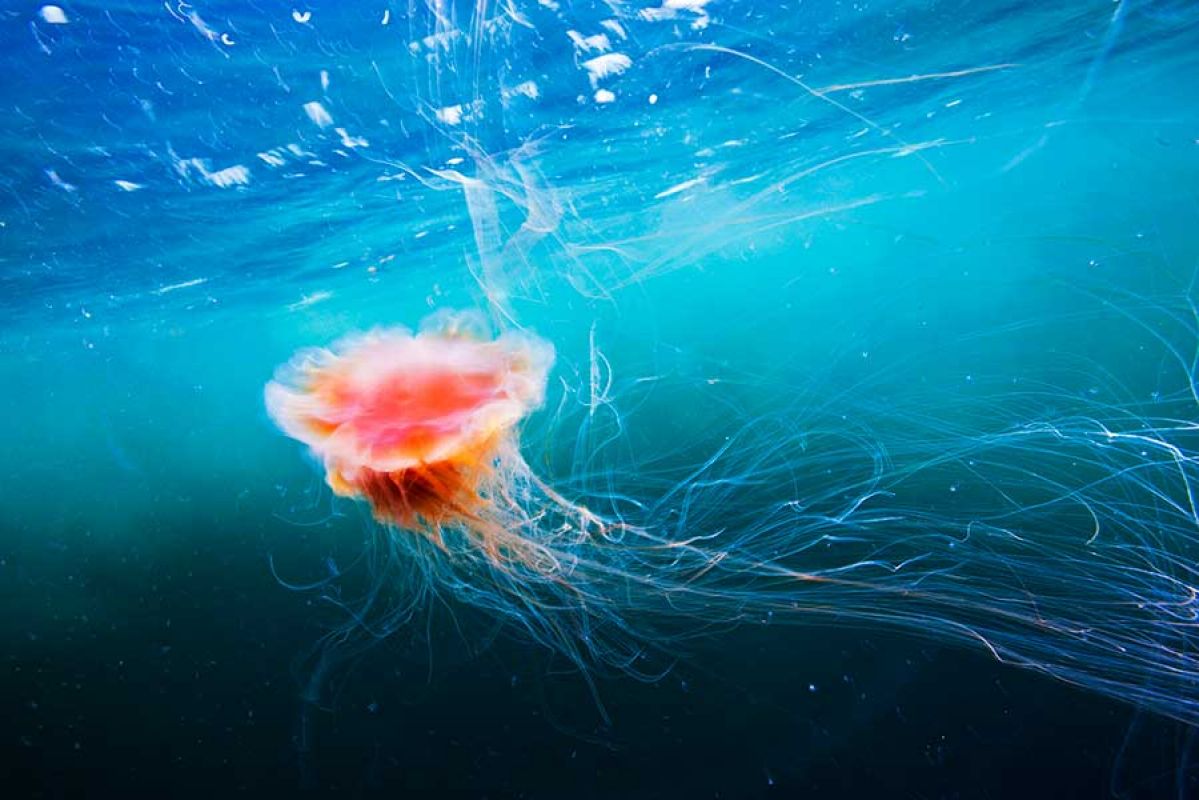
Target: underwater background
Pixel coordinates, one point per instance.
(891, 219)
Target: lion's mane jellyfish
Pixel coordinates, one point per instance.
(422, 426)
(1083, 570)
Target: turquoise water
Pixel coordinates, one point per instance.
(924, 272)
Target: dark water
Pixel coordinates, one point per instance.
(926, 228)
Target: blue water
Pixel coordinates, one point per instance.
(923, 271)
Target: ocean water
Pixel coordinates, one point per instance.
(875, 337)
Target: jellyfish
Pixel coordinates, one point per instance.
(1080, 570)
(422, 426)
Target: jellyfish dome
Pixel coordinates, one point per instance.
(416, 424)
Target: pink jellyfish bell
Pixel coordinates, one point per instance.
(419, 424)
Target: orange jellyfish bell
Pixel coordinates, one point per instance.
(415, 423)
